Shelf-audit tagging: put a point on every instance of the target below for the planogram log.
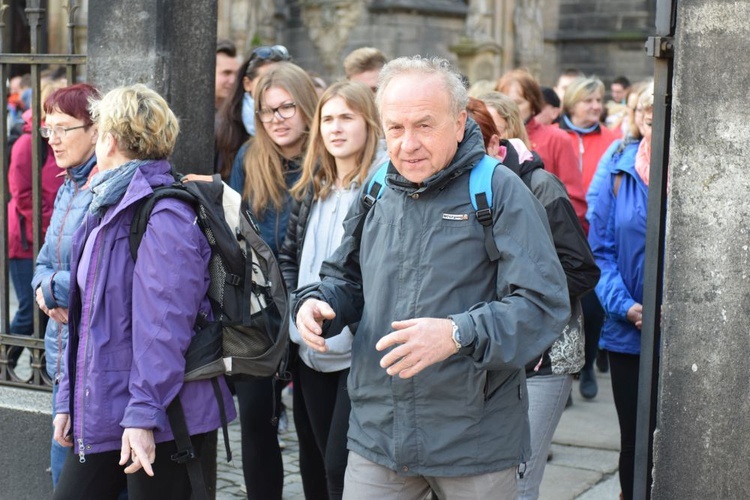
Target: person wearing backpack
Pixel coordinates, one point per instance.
(344, 144)
(67, 109)
(264, 170)
(451, 301)
(131, 321)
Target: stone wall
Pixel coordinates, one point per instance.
(701, 444)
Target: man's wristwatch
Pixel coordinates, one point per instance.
(456, 337)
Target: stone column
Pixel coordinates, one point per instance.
(701, 445)
(170, 46)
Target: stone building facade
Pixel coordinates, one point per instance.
(484, 38)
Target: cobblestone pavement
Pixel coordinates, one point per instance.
(230, 482)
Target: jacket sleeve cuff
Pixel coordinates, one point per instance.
(48, 293)
(626, 305)
(466, 331)
(144, 417)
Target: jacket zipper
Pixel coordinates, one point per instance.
(62, 225)
(91, 287)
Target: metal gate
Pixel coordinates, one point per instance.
(36, 376)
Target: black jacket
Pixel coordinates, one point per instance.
(571, 245)
(291, 250)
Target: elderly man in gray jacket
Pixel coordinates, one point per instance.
(437, 378)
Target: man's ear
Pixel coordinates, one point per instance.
(461, 125)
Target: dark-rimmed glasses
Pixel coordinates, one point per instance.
(60, 132)
(272, 53)
(285, 110)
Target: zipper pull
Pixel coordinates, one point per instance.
(81, 452)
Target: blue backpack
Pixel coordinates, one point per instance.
(480, 194)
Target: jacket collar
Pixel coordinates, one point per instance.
(80, 174)
(145, 179)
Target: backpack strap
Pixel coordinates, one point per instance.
(185, 452)
(373, 193)
(375, 187)
(480, 193)
(143, 212)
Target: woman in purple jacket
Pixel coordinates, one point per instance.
(130, 322)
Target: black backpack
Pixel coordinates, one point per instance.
(249, 334)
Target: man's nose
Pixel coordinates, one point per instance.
(410, 141)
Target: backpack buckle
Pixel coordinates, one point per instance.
(233, 279)
(368, 200)
(184, 456)
(484, 216)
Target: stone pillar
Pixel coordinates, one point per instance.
(170, 46)
(701, 444)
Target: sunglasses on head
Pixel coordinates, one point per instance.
(275, 53)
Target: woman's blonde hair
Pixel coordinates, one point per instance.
(578, 90)
(264, 172)
(646, 99)
(508, 111)
(140, 121)
(319, 167)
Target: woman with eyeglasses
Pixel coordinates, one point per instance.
(21, 221)
(344, 145)
(236, 122)
(72, 138)
(265, 169)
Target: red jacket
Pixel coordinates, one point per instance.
(553, 147)
(20, 210)
(589, 149)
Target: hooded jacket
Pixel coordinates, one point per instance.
(422, 254)
(20, 207)
(566, 355)
(618, 240)
(52, 272)
(131, 324)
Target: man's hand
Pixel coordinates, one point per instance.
(423, 342)
(62, 430)
(309, 321)
(138, 445)
(635, 315)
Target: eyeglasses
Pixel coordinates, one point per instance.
(274, 53)
(60, 132)
(286, 110)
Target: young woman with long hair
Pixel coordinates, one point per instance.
(264, 170)
(344, 144)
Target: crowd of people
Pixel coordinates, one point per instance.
(455, 256)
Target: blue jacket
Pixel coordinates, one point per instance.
(622, 150)
(272, 223)
(131, 324)
(52, 271)
(618, 241)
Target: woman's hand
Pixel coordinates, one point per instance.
(197, 177)
(62, 430)
(138, 446)
(635, 315)
(40, 301)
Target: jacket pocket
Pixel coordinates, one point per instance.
(498, 381)
(22, 228)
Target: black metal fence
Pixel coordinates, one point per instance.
(34, 344)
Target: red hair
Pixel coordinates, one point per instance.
(73, 101)
(478, 111)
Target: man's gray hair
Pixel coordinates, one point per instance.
(427, 66)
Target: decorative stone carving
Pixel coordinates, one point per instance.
(329, 23)
(529, 39)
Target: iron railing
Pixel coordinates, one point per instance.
(35, 14)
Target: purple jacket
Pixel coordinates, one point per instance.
(131, 324)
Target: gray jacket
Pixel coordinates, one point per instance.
(468, 414)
